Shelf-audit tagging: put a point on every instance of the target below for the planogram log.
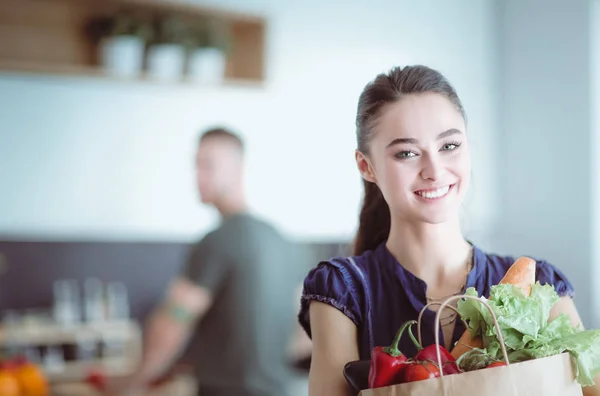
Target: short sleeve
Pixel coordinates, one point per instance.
(206, 266)
(548, 274)
(329, 284)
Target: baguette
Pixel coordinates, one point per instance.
(520, 274)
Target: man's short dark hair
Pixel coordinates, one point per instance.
(222, 133)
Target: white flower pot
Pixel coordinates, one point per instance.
(207, 66)
(165, 61)
(122, 55)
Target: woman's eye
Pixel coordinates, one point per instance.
(405, 154)
(450, 146)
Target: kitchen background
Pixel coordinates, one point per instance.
(97, 175)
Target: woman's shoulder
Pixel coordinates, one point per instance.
(338, 282)
(496, 266)
(339, 272)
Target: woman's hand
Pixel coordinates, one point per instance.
(334, 338)
(566, 305)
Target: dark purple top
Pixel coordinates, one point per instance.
(379, 295)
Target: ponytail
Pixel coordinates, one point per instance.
(374, 220)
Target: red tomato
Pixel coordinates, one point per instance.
(419, 371)
(496, 364)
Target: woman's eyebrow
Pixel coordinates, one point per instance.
(442, 135)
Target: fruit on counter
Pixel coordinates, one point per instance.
(32, 381)
(97, 379)
(28, 378)
(521, 274)
(8, 384)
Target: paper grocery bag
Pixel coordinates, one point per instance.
(550, 376)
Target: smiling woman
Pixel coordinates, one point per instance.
(414, 157)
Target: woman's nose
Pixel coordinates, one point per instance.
(433, 168)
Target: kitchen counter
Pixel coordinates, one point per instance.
(179, 385)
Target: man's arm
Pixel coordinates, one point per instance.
(169, 329)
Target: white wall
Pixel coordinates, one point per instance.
(595, 157)
(91, 157)
(545, 162)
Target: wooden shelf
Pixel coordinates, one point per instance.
(75, 71)
(56, 334)
(44, 68)
(49, 36)
(123, 361)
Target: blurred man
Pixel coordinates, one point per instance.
(234, 297)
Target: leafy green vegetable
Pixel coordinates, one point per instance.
(526, 330)
(475, 359)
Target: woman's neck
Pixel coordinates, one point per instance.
(432, 252)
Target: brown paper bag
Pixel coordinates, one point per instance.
(550, 376)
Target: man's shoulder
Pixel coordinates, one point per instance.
(244, 221)
(247, 234)
(205, 240)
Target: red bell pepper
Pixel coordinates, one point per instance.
(388, 363)
(429, 353)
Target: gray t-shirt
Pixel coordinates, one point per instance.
(240, 345)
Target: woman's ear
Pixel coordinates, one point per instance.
(365, 167)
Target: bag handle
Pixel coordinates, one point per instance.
(444, 305)
(419, 319)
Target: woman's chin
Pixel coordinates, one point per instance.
(438, 217)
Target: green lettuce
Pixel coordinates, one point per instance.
(526, 330)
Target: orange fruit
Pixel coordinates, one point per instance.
(32, 380)
(9, 386)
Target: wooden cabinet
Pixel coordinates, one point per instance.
(55, 36)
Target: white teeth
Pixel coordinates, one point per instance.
(440, 192)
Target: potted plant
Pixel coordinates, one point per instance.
(208, 45)
(123, 44)
(166, 53)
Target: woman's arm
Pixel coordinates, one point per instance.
(334, 338)
(566, 305)
(300, 347)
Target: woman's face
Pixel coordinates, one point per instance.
(419, 158)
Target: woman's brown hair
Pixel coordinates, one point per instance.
(385, 89)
